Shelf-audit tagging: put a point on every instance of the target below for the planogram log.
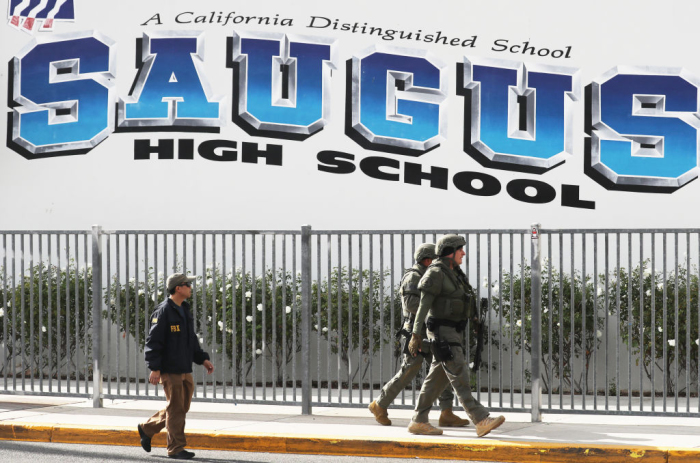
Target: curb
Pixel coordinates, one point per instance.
(434, 448)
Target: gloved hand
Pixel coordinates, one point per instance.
(414, 344)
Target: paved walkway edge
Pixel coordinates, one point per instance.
(435, 448)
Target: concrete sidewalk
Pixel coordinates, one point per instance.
(343, 431)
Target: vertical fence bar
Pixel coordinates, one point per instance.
(96, 316)
(536, 304)
(234, 327)
(618, 382)
(4, 305)
(641, 321)
(40, 366)
(360, 337)
(339, 331)
(32, 358)
(487, 280)
(318, 317)
(306, 319)
(500, 319)
(510, 321)
(350, 290)
(584, 347)
(687, 324)
(629, 320)
(86, 304)
(653, 321)
(675, 334)
(665, 325)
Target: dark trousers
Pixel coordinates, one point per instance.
(178, 391)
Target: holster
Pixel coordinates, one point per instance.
(441, 349)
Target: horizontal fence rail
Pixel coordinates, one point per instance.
(307, 317)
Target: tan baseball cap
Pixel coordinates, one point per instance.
(177, 279)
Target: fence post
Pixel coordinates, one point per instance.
(536, 304)
(96, 316)
(306, 320)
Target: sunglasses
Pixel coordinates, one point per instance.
(189, 285)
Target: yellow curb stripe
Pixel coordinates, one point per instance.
(448, 449)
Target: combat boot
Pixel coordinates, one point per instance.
(449, 420)
(488, 424)
(380, 414)
(426, 429)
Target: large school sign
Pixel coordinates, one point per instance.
(334, 118)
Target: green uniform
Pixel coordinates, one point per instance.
(446, 296)
(410, 365)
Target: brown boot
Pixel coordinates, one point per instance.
(450, 420)
(380, 414)
(488, 424)
(426, 429)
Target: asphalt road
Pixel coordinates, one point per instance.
(42, 452)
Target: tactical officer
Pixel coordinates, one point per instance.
(171, 347)
(410, 365)
(448, 301)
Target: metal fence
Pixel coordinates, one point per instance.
(579, 321)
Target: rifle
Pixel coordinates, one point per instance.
(481, 327)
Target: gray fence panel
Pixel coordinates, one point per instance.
(280, 311)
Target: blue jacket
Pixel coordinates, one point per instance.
(172, 345)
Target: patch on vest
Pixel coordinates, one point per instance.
(155, 320)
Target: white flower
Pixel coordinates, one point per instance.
(495, 291)
(228, 286)
(600, 291)
(201, 340)
(249, 318)
(221, 325)
(141, 292)
(248, 294)
(471, 365)
(545, 310)
(288, 309)
(209, 318)
(598, 333)
(316, 327)
(260, 307)
(519, 323)
(154, 297)
(661, 330)
(648, 293)
(647, 272)
(507, 325)
(229, 330)
(131, 280)
(258, 351)
(558, 324)
(2, 312)
(697, 342)
(672, 342)
(210, 281)
(43, 329)
(660, 286)
(160, 275)
(324, 329)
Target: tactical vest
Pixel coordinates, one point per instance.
(410, 272)
(451, 303)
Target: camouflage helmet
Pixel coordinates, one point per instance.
(425, 251)
(449, 241)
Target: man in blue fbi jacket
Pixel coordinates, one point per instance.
(171, 347)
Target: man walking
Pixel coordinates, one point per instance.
(448, 300)
(171, 347)
(410, 365)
